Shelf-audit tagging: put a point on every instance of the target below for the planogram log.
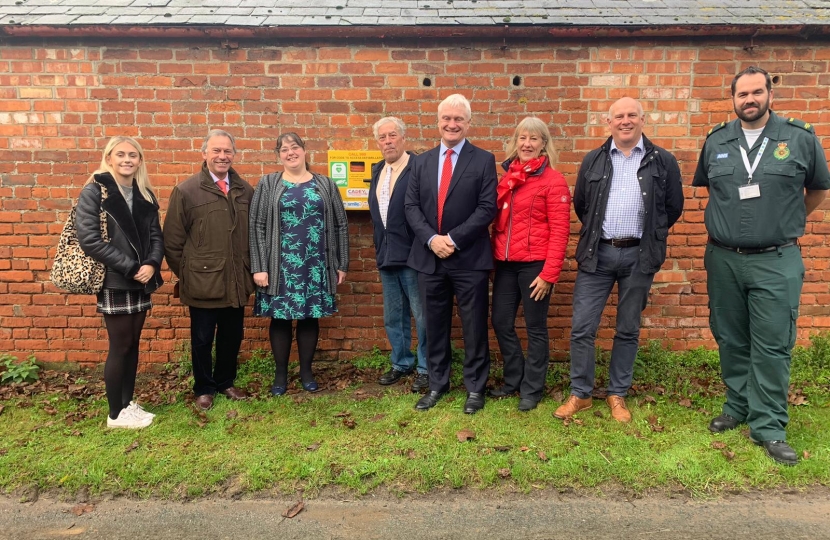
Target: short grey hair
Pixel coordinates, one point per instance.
(399, 125)
(218, 133)
(456, 101)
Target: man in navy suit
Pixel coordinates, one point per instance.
(393, 242)
(450, 202)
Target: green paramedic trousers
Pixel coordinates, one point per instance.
(753, 308)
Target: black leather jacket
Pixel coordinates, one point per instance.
(660, 182)
(135, 237)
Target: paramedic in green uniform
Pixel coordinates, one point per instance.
(764, 175)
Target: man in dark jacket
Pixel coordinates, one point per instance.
(206, 245)
(393, 242)
(627, 196)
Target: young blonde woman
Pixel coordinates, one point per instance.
(132, 257)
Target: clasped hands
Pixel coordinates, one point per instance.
(442, 246)
(261, 278)
(144, 274)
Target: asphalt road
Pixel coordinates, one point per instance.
(450, 515)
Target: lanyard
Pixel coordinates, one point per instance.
(755, 163)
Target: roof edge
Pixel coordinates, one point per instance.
(408, 32)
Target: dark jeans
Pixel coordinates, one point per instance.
(511, 286)
(226, 325)
(591, 291)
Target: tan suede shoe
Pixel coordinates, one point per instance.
(572, 406)
(619, 411)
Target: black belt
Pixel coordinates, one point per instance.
(752, 251)
(621, 242)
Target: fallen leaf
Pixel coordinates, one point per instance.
(465, 435)
(81, 509)
(524, 449)
(232, 414)
(649, 399)
(797, 399)
(578, 422)
(805, 454)
(349, 423)
(542, 455)
(391, 432)
(729, 455)
(411, 454)
(313, 447)
(686, 402)
(403, 424)
(313, 423)
(377, 418)
(654, 425)
(660, 390)
(501, 448)
(557, 396)
(575, 443)
(718, 445)
(294, 510)
(567, 421)
(50, 410)
(598, 414)
(504, 473)
(132, 447)
(342, 414)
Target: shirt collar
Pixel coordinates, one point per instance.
(638, 145)
(457, 148)
(216, 178)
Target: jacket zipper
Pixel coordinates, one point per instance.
(509, 227)
(137, 254)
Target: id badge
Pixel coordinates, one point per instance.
(749, 191)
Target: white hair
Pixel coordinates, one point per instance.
(399, 125)
(456, 101)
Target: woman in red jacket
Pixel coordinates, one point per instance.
(530, 234)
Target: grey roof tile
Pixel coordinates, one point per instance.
(94, 19)
(244, 20)
(282, 20)
(133, 19)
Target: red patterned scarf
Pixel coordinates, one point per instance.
(515, 176)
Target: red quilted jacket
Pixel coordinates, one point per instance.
(539, 225)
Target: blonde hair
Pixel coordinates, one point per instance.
(534, 126)
(141, 177)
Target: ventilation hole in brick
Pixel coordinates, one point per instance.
(776, 79)
(427, 81)
(517, 81)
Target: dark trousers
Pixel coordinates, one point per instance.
(470, 290)
(753, 308)
(511, 286)
(591, 291)
(226, 325)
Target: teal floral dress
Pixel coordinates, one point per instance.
(303, 287)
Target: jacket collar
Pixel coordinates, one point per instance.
(208, 183)
(378, 167)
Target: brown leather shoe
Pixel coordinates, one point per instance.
(573, 405)
(234, 393)
(204, 402)
(619, 411)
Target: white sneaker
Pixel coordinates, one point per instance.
(128, 419)
(139, 410)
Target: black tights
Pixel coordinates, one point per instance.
(308, 330)
(122, 361)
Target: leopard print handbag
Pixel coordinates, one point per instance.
(73, 270)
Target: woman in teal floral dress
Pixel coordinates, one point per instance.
(299, 254)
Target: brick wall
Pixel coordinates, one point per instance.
(60, 101)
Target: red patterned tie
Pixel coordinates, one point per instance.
(223, 185)
(446, 177)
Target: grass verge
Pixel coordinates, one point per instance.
(363, 436)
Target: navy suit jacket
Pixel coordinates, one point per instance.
(393, 242)
(469, 209)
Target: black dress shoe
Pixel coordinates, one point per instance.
(392, 376)
(723, 423)
(429, 400)
(474, 403)
(779, 451)
(421, 383)
(501, 392)
(527, 404)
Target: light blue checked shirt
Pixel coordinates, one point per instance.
(625, 209)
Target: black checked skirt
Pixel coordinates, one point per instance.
(117, 302)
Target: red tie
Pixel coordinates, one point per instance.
(223, 185)
(446, 177)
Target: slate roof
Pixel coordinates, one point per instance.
(468, 13)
